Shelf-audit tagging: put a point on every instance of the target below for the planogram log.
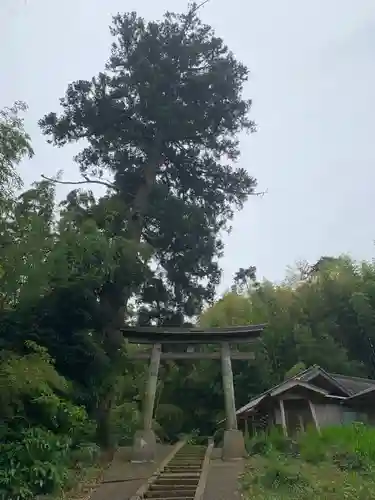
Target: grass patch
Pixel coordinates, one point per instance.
(83, 477)
(338, 464)
(279, 478)
(82, 484)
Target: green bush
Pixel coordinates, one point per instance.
(35, 463)
(274, 441)
(312, 447)
(259, 444)
(43, 433)
(356, 438)
(336, 463)
(38, 461)
(349, 461)
(125, 420)
(279, 475)
(349, 447)
(84, 454)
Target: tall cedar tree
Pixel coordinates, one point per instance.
(163, 120)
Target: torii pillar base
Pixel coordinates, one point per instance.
(233, 445)
(144, 446)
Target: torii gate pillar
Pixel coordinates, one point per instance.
(234, 443)
(144, 446)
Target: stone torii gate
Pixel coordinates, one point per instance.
(145, 440)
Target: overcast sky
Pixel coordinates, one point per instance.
(312, 83)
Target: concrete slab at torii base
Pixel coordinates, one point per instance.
(233, 445)
(144, 446)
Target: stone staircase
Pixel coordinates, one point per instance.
(180, 478)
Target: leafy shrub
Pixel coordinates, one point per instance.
(259, 444)
(25, 378)
(84, 454)
(349, 461)
(279, 475)
(312, 447)
(170, 419)
(35, 463)
(349, 447)
(313, 455)
(356, 438)
(42, 431)
(274, 441)
(191, 438)
(125, 419)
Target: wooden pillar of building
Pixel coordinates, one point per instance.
(283, 417)
(246, 426)
(144, 448)
(314, 416)
(234, 445)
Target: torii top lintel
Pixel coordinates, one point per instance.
(160, 335)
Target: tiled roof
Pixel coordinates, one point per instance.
(349, 385)
(303, 377)
(354, 385)
(362, 394)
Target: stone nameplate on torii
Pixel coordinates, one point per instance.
(145, 440)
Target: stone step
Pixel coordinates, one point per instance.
(171, 486)
(184, 464)
(162, 495)
(180, 479)
(172, 498)
(190, 455)
(188, 475)
(184, 470)
(187, 460)
(187, 467)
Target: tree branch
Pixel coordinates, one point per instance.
(190, 15)
(198, 6)
(86, 181)
(259, 193)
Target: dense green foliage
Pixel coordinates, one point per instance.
(325, 317)
(160, 126)
(338, 463)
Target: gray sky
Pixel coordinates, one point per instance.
(313, 88)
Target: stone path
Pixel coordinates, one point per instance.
(223, 479)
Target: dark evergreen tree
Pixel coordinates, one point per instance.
(162, 123)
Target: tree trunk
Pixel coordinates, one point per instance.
(112, 335)
(135, 227)
(103, 422)
(141, 200)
